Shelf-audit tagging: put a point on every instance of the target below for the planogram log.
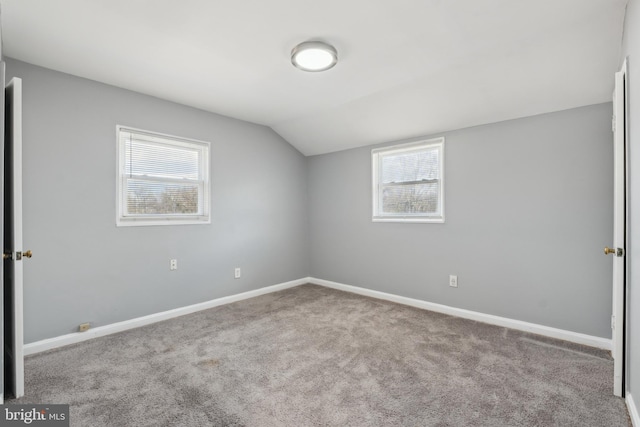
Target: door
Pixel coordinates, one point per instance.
(619, 231)
(13, 255)
(2, 265)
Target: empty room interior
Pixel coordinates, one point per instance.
(299, 213)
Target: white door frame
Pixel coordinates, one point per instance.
(14, 89)
(619, 230)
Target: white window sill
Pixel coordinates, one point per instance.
(408, 219)
(129, 222)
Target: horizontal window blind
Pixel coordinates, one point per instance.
(414, 166)
(410, 181)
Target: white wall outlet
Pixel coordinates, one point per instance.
(237, 273)
(173, 264)
(453, 281)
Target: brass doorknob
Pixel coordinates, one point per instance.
(27, 254)
(619, 252)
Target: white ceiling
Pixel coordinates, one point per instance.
(406, 67)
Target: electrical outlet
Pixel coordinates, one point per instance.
(453, 281)
(237, 273)
(173, 264)
(83, 327)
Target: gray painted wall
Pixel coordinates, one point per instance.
(85, 269)
(631, 48)
(528, 210)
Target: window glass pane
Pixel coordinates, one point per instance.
(408, 182)
(163, 179)
(411, 198)
(149, 198)
(411, 166)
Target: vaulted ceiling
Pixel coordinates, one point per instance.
(406, 67)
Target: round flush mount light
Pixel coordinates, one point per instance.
(314, 56)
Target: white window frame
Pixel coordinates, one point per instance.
(376, 164)
(124, 219)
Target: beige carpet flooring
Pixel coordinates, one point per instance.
(312, 356)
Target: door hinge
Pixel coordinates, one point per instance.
(613, 322)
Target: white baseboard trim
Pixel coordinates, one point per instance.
(633, 410)
(575, 337)
(100, 331)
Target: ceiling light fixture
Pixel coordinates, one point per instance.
(314, 56)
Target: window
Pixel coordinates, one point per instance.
(162, 179)
(408, 182)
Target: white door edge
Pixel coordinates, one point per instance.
(619, 231)
(15, 85)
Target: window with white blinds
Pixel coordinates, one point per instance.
(162, 179)
(408, 182)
